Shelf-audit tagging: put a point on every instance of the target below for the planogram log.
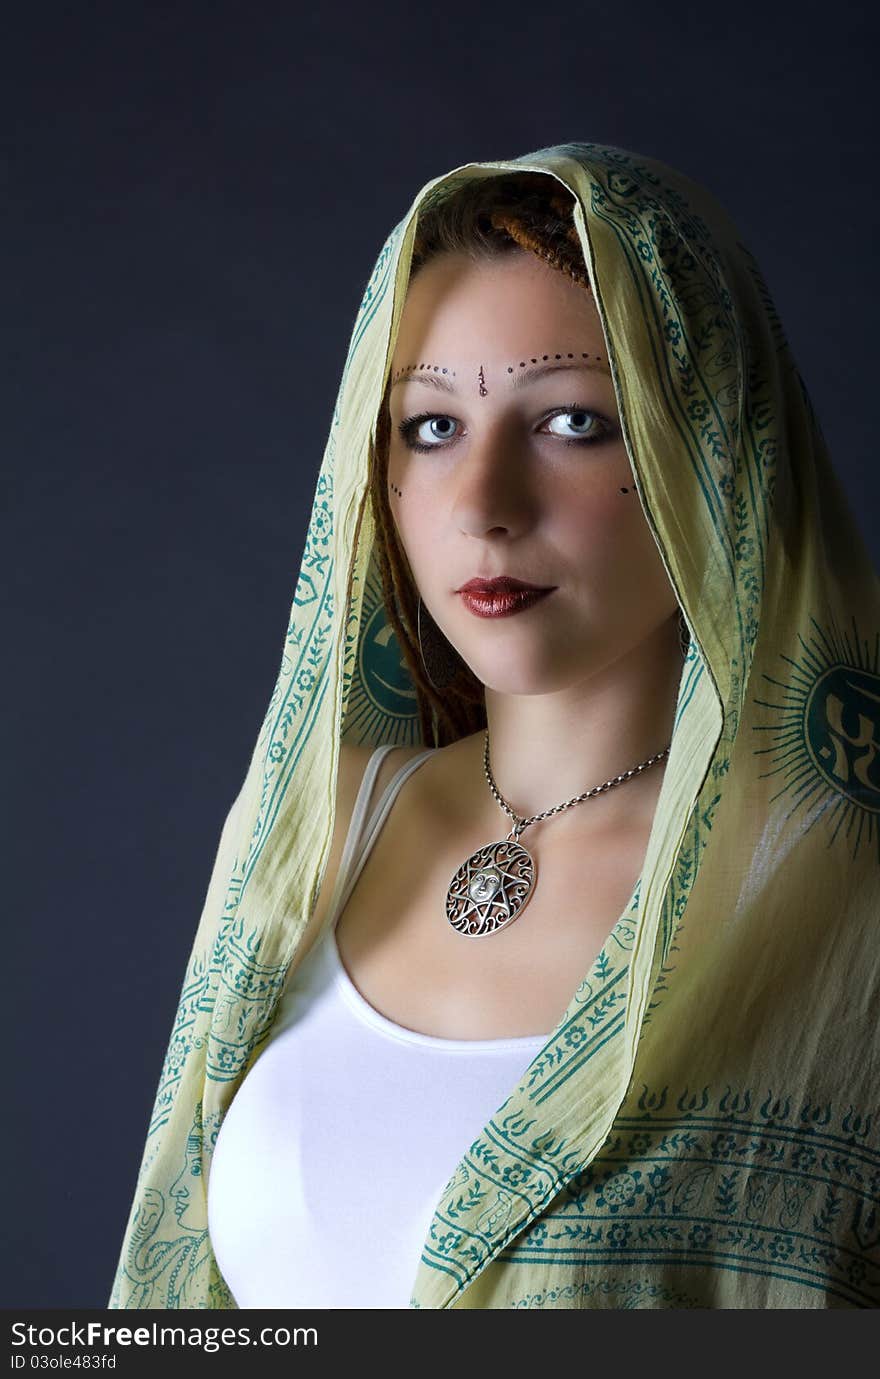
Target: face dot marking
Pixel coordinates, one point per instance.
(625, 490)
(584, 355)
(409, 368)
(395, 489)
(438, 368)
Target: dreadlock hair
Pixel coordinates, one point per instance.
(484, 218)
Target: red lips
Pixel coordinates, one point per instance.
(501, 603)
(503, 584)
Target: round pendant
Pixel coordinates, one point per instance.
(490, 889)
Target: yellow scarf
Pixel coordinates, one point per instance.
(702, 1127)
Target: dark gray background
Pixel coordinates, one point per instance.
(195, 198)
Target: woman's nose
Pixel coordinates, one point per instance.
(494, 486)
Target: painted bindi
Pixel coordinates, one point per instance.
(434, 373)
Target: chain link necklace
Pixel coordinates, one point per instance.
(495, 884)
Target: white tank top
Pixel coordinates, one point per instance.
(331, 1157)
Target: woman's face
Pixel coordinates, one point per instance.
(521, 475)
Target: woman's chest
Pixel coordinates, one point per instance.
(409, 963)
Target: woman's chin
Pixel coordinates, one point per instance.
(520, 678)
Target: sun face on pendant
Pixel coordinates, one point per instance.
(490, 889)
(485, 885)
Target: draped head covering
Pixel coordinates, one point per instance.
(701, 1129)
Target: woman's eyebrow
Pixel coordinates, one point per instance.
(526, 375)
(523, 375)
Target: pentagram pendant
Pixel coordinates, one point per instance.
(490, 889)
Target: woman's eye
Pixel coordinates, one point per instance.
(410, 428)
(587, 427)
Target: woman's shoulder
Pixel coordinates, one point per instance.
(451, 767)
(353, 761)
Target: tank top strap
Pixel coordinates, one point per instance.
(362, 803)
(365, 824)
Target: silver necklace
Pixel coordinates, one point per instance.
(495, 884)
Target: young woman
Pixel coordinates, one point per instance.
(537, 964)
